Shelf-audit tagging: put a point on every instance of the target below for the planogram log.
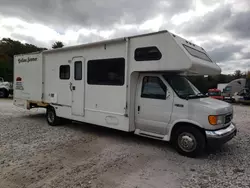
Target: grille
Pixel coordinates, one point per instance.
(228, 118)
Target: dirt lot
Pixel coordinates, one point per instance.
(33, 154)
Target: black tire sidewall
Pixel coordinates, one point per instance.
(200, 139)
(56, 119)
(5, 93)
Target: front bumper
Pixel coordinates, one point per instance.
(219, 137)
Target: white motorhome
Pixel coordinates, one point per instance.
(221, 86)
(232, 88)
(134, 84)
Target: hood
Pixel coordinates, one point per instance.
(220, 107)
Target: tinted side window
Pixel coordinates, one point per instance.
(78, 70)
(64, 72)
(153, 88)
(106, 72)
(147, 54)
(197, 53)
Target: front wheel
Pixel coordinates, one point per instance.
(51, 117)
(4, 93)
(189, 141)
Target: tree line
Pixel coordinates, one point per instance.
(205, 83)
(9, 48)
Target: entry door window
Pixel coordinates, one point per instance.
(78, 70)
(153, 88)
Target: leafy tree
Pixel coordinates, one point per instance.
(238, 74)
(203, 84)
(57, 44)
(9, 48)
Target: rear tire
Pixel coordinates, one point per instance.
(189, 141)
(51, 117)
(4, 93)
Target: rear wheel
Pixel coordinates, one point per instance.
(189, 141)
(51, 117)
(4, 93)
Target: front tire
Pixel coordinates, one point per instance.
(51, 117)
(189, 141)
(4, 93)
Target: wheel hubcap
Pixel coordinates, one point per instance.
(187, 142)
(51, 116)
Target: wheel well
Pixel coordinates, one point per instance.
(184, 124)
(4, 89)
(50, 107)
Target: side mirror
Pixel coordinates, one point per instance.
(239, 82)
(168, 94)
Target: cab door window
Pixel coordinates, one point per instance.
(153, 88)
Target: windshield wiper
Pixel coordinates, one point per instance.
(201, 95)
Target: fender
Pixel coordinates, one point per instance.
(182, 121)
(5, 87)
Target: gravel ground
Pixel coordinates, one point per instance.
(33, 154)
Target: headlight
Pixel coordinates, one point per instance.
(216, 120)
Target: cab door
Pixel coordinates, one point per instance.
(77, 86)
(154, 104)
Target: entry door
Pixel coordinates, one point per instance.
(77, 86)
(154, 104)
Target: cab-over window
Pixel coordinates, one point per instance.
(147, 54)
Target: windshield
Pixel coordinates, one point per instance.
(183, 87)
(214, 93)
(227, 89)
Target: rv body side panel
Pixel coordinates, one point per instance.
(104, 104)
(172, 55)
(28, 77)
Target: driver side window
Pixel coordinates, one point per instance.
(153, 88)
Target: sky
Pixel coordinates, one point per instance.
(221, 27)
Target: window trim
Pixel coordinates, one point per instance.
(141, 48)
(161, 83)
(60, 72)
(103, 84)
(78, 79)
(208, 58)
